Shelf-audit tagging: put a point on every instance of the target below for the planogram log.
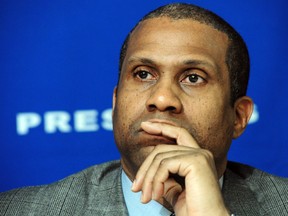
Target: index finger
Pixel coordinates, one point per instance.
(180, 134)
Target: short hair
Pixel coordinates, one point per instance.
(237, 56)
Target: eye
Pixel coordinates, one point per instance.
(143, 75)
(193, 79)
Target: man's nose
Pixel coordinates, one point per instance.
(164, 97)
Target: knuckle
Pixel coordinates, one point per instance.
(164, 162)
(205, 156)
(158, 156)
(208, 154)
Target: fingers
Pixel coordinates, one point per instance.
(152, 162)
(158, 177)
(154, 179)
(201, 192)
(181, 135)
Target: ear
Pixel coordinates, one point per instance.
(243, 109)
(114, 99)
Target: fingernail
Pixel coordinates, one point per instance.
(147, 123)
(142, 197)
(133, 185)
(154, 196)
(151, 125)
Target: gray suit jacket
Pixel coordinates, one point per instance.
(97, 191)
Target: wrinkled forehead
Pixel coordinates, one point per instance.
(164, 28)
(168, 35)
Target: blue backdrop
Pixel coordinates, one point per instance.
(58, 67)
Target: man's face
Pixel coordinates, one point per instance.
(174, 72)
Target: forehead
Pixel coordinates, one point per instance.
(189, 36)
(182, 25)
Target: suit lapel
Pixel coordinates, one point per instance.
(116, 202)
(238, 196)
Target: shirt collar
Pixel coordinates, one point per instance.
(134, 205)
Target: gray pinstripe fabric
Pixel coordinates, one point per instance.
(248, 191)
(97, 191)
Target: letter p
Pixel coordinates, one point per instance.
(25, 121)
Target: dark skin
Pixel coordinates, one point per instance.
(172, 114)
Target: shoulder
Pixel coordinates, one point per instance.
(63, 195)
(269, 191)
(102, 175)
(255, 176)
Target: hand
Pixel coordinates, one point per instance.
(201, 194)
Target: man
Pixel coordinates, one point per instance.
(180, 100)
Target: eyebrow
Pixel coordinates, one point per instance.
(197, 62)
(142, 60)
(186, 62)
(189, 62)
(207, 64)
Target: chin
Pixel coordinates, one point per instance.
(131, 161)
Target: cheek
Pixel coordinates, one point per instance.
(211, 117)
(129, 104)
